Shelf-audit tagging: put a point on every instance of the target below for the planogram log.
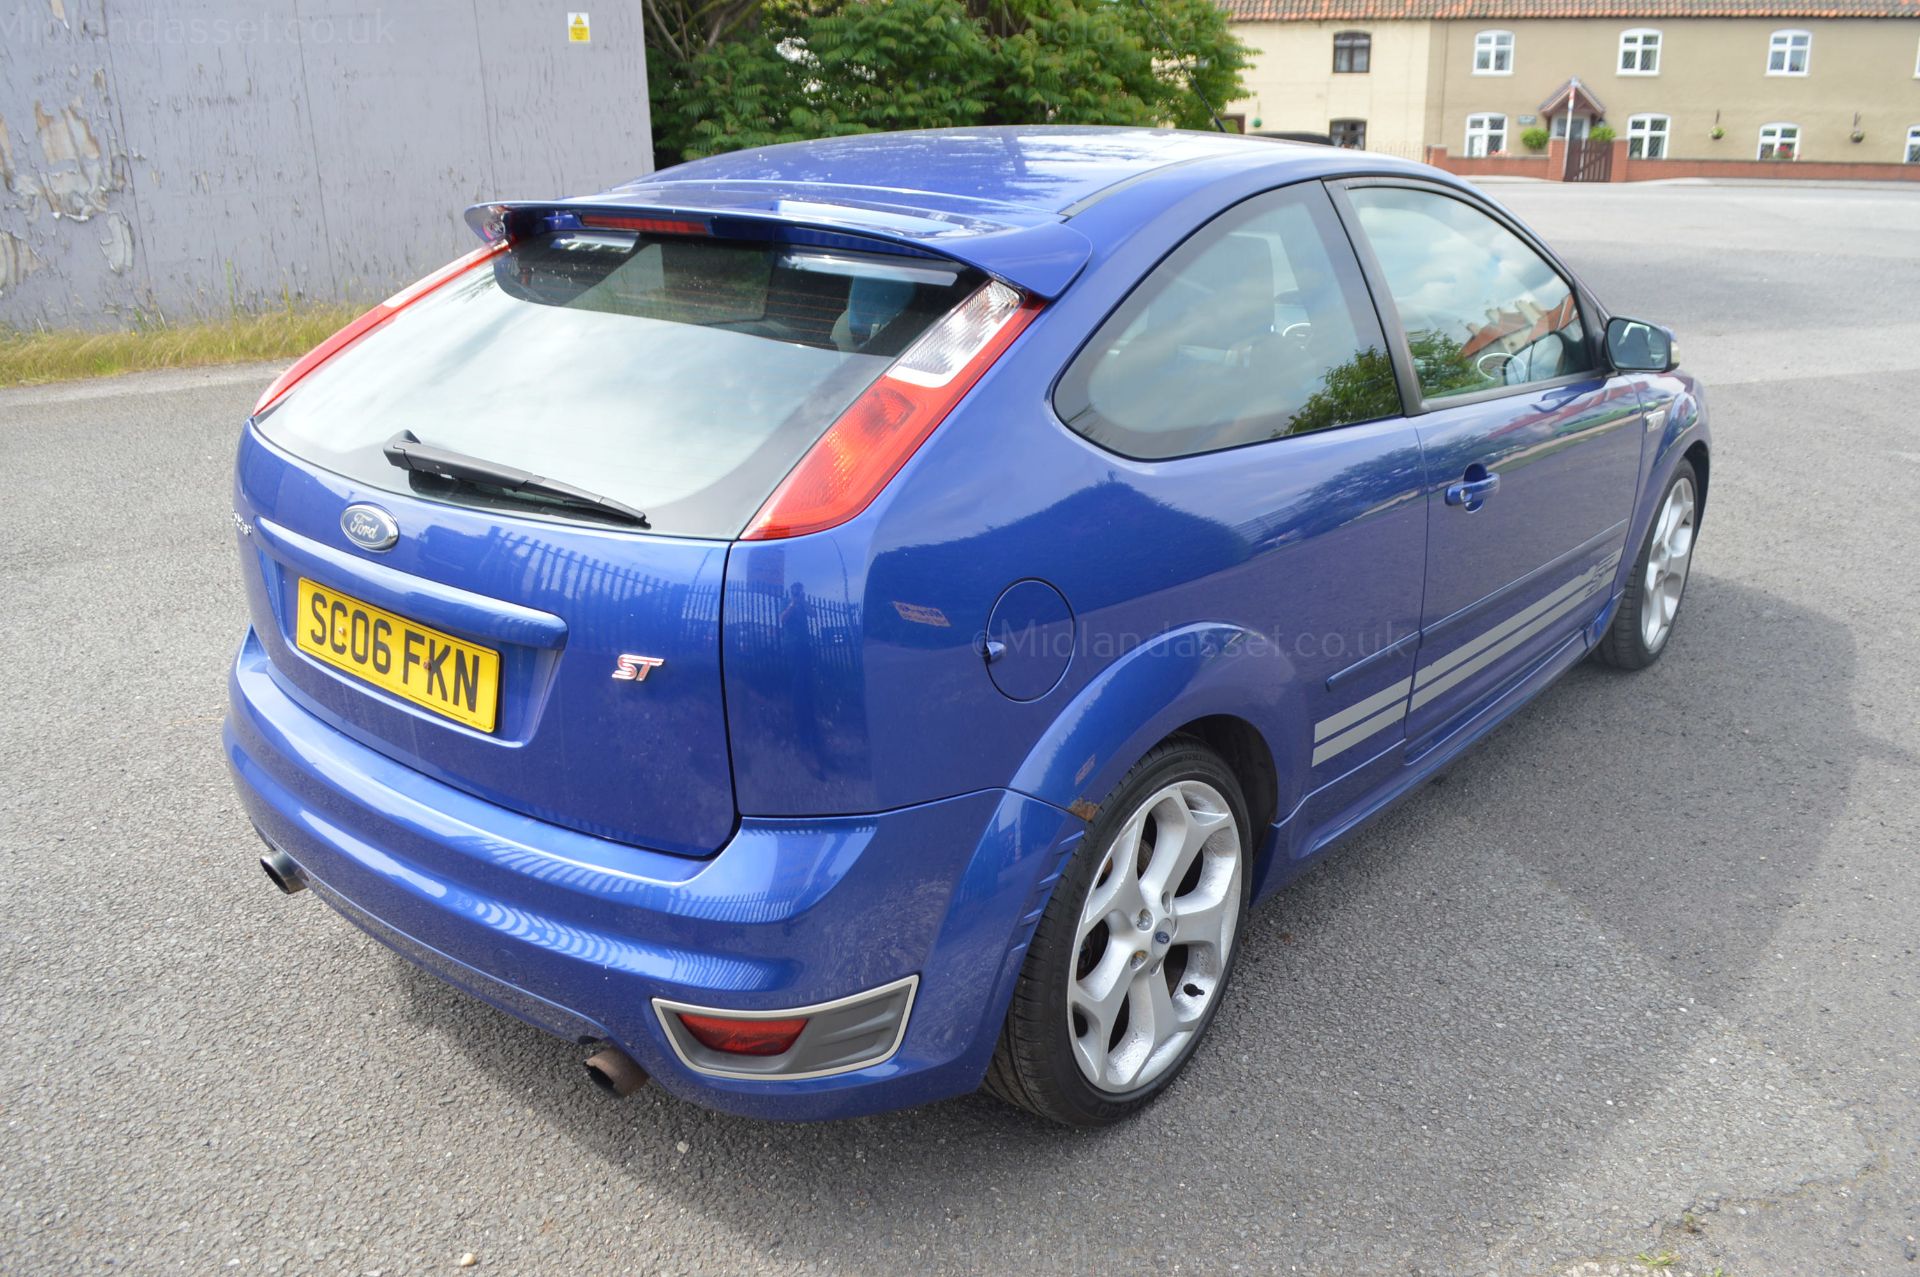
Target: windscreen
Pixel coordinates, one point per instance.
(683, 376)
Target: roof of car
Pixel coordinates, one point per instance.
(1039, 168)
(1000, 199)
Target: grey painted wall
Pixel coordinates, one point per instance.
(181, 157)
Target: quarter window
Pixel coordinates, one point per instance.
(1780, 142)
(1486, 134)
(1787, 52)
(1913, 145)
(1640, 52)
(1258, 327)
(1647, 136)
(1351, 134)
(1352, 52)
(1479, 307)
(1493, 53)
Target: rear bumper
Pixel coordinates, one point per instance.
(578, 935)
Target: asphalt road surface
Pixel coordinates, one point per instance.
(1637, 978)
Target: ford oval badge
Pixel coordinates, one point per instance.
(369, 527)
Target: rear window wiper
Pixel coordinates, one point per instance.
(406, 451)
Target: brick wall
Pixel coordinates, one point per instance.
(1548, 167)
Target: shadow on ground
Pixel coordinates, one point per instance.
(1512, 982)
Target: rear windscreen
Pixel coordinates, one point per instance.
(683, 376)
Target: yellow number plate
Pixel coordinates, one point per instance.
(433, 670)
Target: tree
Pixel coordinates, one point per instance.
(727, 74)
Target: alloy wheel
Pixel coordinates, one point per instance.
(1154, 937)
(1668, 558)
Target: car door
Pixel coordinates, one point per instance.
(1532, 447)
(1248, 380)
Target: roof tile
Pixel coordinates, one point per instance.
(1424, 10)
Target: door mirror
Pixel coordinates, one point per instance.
(1637, 346)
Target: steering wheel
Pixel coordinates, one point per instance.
(1494, 373)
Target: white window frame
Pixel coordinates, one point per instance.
(1913, 145)
(1480, 126)
(1916, 64)
(1640, 129)
(1784, 43)
(1760, 151)
(1639, 42)
(1490, 42)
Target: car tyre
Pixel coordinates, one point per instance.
(1157, 891)
(1650, 605)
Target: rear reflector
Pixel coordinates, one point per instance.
(371, 320)
(743, 1037)
(869, 442)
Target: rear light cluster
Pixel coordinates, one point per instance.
(743, 1036)
(862, 450)
(373, 319)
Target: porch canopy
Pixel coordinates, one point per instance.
(1572, 97)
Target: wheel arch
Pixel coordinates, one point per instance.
(1246, 754)
(1216, 681)
(1698, 455)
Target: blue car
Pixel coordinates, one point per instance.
(830, 627)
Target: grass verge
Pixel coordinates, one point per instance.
(32, 356)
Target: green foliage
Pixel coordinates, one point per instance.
(1361, 389)
(1442, 364)
(1602, 133)
(1535, 138)
(755, 72)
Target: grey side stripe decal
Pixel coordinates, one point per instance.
(1430, 689)
(1485, 638)
(1366, 718)
(1354, 713)
(1348, 739)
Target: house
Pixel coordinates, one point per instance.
(1700, 80)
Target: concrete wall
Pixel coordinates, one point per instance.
(182, 157)
(1707, 66)
(1291, 86)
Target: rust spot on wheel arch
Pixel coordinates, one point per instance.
(1084, 809)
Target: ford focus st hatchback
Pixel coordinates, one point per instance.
(832, 626)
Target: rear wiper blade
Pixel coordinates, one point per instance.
(406, 451)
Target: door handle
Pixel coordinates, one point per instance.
(1479, 484)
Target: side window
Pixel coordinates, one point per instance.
(1481, 309)
(1787, 52)
(1493, 53)
(1259, 326)
(1352, 52)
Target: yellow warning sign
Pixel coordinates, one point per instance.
(579, 31)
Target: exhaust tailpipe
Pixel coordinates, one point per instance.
(614, 1072)
(282, 871)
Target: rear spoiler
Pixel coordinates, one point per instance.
(1038, 258)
